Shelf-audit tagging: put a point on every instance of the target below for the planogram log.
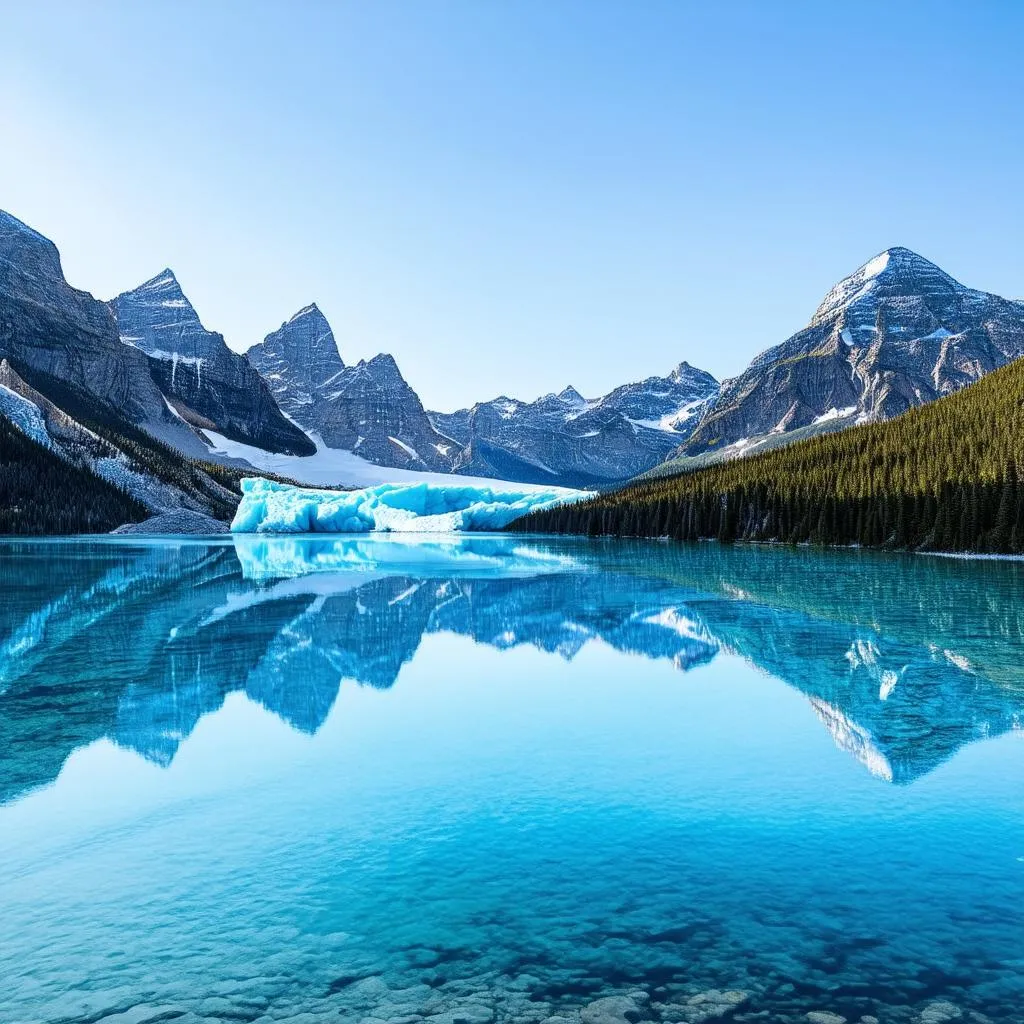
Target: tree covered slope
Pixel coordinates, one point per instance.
(945, 476)
(40, 493)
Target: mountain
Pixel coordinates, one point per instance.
(561, 438)
(367, 408)
(41, 494)
(565, 439)
(72, 395)
(299, 360)
(207, 385)
(155, 477)
(54, 332)
(946, 476)
(896, 333)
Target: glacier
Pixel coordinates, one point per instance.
(422, 507)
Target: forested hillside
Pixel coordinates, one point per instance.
(945, 476)
(40, 493)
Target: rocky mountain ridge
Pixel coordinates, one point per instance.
(59, 333)
(368, 408)
(896, 333)
(567, 439)
(205, 383)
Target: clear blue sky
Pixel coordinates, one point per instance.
(514, 196)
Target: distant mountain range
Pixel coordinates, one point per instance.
(898, 332)
(566, 439)
(561, 438)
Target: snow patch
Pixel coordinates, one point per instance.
(330, 467)
(874, 267)
(835, 414)
(25, 415)
(411, 452)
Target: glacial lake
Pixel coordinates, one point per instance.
(503, 778)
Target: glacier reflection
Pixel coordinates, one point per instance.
(903, 659)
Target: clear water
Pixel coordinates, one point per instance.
(485, 778)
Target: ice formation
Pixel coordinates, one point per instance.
(426, 507)
(364, 556)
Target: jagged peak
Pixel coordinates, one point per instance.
(23, 246)
(165, 279)
(570, 394)
(166, 276)
(897, 258)
(308, 316)
(311, 310)
(685, 371)
(894, 271)
(382, 367)
(13, 225)
(165, 285)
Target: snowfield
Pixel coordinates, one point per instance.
(421, 507)
(338, 467)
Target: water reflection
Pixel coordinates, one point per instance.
(904, 659)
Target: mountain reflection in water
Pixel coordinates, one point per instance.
(904, 659)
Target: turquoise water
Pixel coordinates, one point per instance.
(490, 778)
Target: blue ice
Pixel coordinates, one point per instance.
(423, 507)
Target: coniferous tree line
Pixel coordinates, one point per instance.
(947, 476)
(40, 493)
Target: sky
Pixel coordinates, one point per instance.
(514, 196)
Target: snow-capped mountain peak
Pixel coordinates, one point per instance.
(311, 310)
(567, 439)
(206, 384)
(895, 272)
(158, 318)
(897, 332)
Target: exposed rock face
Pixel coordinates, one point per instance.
(563, 438)
(896, 333)
(675, 402)
(299, 361)
(372, 411)
(53, 330)
(208, 385)
(559, 439)
(49, 425)
(368, 408)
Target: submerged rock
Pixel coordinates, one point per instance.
(610, 1010)
(940, 1012)
(825, 1017)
